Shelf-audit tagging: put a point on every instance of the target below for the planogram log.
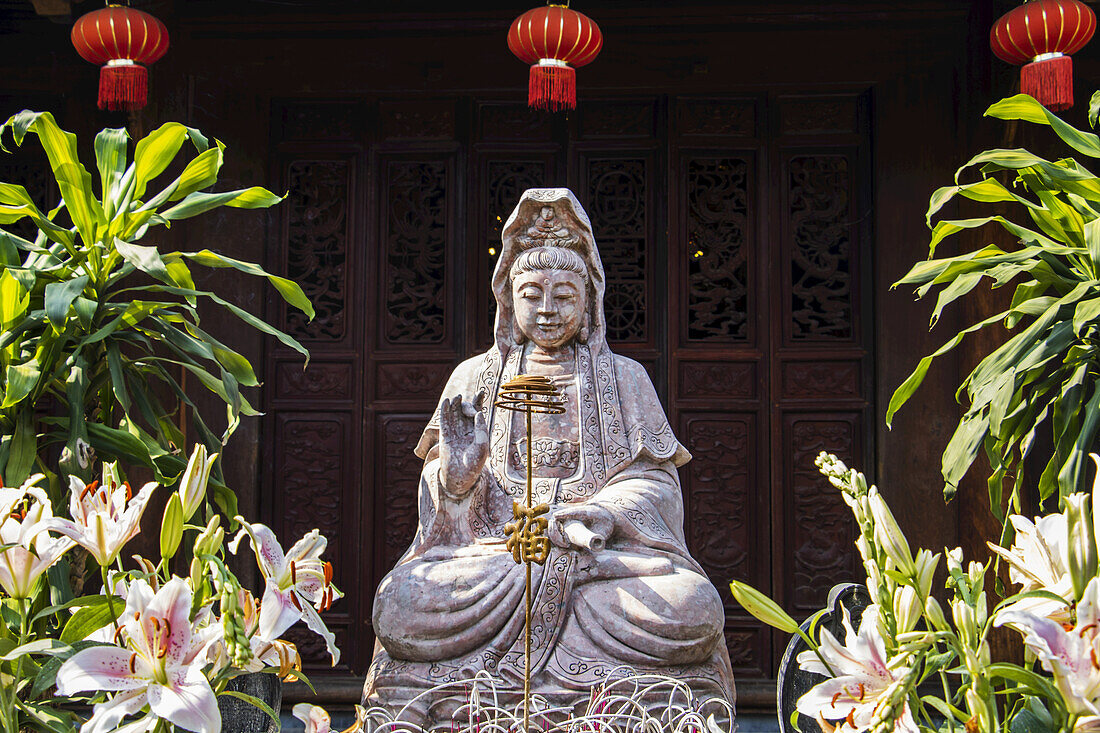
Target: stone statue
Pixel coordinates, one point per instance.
(619, 587)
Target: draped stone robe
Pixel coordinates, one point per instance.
(454, 604)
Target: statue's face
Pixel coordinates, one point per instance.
(549, 306)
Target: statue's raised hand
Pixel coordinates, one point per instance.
(463, 444)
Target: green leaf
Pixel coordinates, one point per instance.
(79, 602)
(1024, 107)
(91, 618)
(146, 259)
(21, 379)
(290, 290)
(14, 299)
(47, 676)
(762, 607)
(1040, 685)
(110, 157)
(59, 297)
(22, 450)
(112, 444)
(252, 701)
(198, 202)
(39, 646)
(158, 149)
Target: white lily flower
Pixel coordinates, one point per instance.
(861, 682)
(192, 488)
(1039, 560)
(25, 517)
(159, 664)
(298, 584)
(105, 516)
(1072, 655)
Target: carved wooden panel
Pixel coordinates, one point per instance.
(317, 381)
(398, 482)
(715, 117)
(617, 192)
(617, 119)
(730, 380)
(28, 167)
(817, 115)
(821, 247)
(750, 650)
(717, 249)
(306, 121)
(421, 382)
(508, 122)
(821, 530)
(315, 656)
(721, 496)
(505, 182)
(417, 120)
(321, 191)
(415, 209)
(822, 380)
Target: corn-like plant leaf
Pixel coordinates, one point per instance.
(290, 290)
(199, 202)
(59, 298)
(1024, 107)
(19, 382)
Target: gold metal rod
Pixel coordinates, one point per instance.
(527, 620)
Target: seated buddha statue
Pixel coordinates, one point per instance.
(619, 587)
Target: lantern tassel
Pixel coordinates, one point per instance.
(1050, 81)
(552, 88)
(123, 88)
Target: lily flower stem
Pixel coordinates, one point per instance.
(947, 699)
(109, 592)
(12, 724)
(813, 645)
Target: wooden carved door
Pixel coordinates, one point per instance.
(734, 235)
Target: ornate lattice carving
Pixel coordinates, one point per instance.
(711, 379)
(317, 222)
(415, 246)
(507, 180)
(513, 122)
(311, 478)
(717, 214)
(617, 207)
(717, 497)
(312, 647)
(748, 650)
(823, 532)
(821, 251)
(332, 381)
(400, 476)
(821, 379)
(617, 119)
(35, 176)
(715, 117)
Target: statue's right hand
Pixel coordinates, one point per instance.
(463, 444)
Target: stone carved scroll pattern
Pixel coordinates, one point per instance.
(507, 180)
(821, 251)
(400, 480)
(719, 479)
(415, 245)
(824, 532)
(317, 231)
(717, 213)
(617, 206)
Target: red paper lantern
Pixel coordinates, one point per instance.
(554, 40)
(1042, 34)
(120, 39)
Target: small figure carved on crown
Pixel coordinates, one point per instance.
(549, 230)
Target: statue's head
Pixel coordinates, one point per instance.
(550, 296)
(549, 281)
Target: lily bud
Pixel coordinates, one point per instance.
(1096, 498)
(907, 608)
(889, 535)
(192, 488)
(171, 527)
(926, 570)
(934, 612)
(964, 618)
(210, 539)
(763, 608)
(977, 708)
(954, 559)
(1082, 542)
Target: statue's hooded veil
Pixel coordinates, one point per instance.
(548, 217)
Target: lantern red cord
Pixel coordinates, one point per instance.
(1042, 34)
(120, 39)
(554, 40)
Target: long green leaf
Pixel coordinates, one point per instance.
(1024, 107)
(20, 380)
(199, 202)
(290, 290)
(110, 157)
(59, 298)
(158, 149)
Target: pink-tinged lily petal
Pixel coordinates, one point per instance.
(171, 635)
(104, 517)
(278, 612)
(317, 626)
(187, 701)
(144, 724)
(102, 668)
(311, 546)
(108, 714)
(316, 718)
(269, 553)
